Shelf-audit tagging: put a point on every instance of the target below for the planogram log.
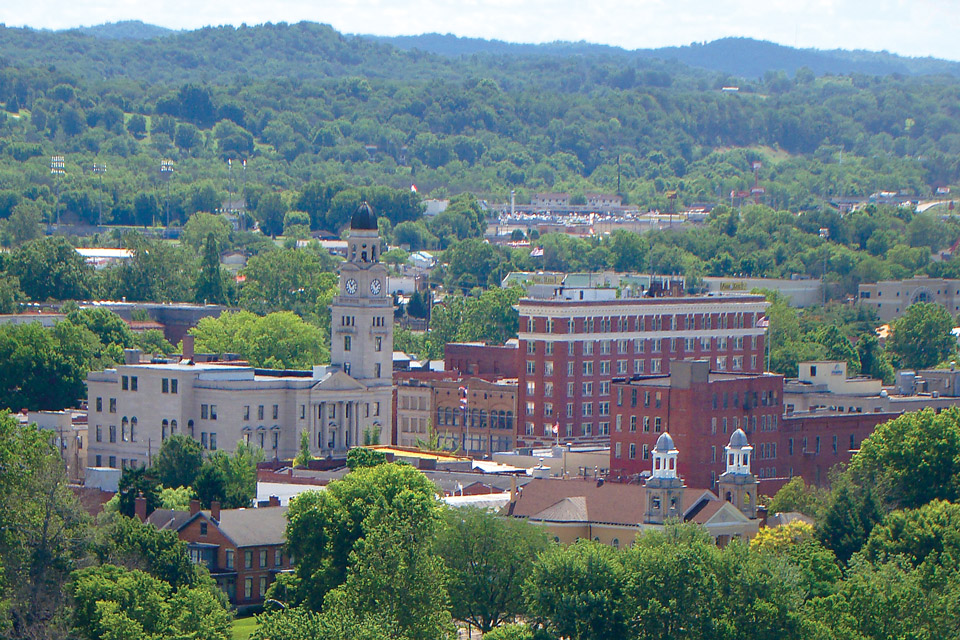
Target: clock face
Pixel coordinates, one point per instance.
(351, 286)
(375, 287)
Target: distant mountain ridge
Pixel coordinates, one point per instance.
(125, 30)
(742, 57)
(738, 57)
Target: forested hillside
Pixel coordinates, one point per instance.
(302, 103)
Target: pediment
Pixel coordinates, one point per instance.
(339, 381)
(727, 514)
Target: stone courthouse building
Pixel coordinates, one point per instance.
(134, 407)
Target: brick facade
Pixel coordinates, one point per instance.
(700, 410)
(570, 351)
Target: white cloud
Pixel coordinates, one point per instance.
(909, 27)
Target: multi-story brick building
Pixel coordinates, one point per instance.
(812, 443)
(434, 402)
(574, 342)
(700, 409)
(242, 548)
(479, 359)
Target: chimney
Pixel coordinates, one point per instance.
(194, 507)
(187, 347)
(274, 501)
(215, 510)
(140, 508)
(131, 356)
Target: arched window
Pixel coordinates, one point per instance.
(173, 427)
(261, 437)
(616, 543)
(133, 429)
(124, 429)
(746, 499)
(729, 497)
(190, 428)
(163, 429)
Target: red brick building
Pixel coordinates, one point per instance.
(811, 443)
(242, 548)
(478, 359)
(428, 402)
(574, 343)
(700, 409)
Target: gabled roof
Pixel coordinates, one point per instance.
(339, 381)
(243, 527)
(554, 500)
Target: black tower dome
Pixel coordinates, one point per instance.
(364, 218)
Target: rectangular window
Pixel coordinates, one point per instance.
(133, 383)
(113, 405)
(646, 424)
(656, 424)
(633, 450)
(347, 343)
(204, 411)
(835, 444)
(531, 366)
(548, 389)
(174, 385)
(604, 367)
(263, 558)
(278, 558)
(633, 423)
(213, 441)
(588, 368)
(229, 559)
(113, 433)
(247, 588)
(616, 450)
(248, 559)
(303, 411)
(246, 412)
(260, 412)
(604, 388)
(164, 385)
(99, 405)
(263, 586)
(99, 434)
(213, 412)
(619, 426)
(276, 411)
(548, 368)
(203, 439)
(655, 365)
(113, 462)
(646, 452)
(124, 383)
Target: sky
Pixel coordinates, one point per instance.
(905, 27)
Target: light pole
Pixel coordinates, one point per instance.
(166, 170)
(100, 169)
(825, 234)
(58, 169)
(466, 424)
(243, 195)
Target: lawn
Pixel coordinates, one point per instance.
(243, 627)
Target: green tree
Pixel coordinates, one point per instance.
(178, 462)
(199, 227)
(270, 211)
(921, 337)
(361, 458)
(287, 280)
(325, 528)
(106, 325)
(579, 592)
(796, 495)
(116, 603)
(43, 532)
(209, 285)
(49, 268)
(10, 294)
(44, 368)
(303, 455)
(136, 482)
(489, 558)
(849, 517)
(129, 543)
(275, 341)
(925, 538)
(229, 479)
(912, 459)
(24, 222)
(395, 257)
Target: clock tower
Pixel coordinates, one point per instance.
(361, 316)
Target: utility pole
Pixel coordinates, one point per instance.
(166, 171)
(99, 169)
(58, 169)
(825, 234)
